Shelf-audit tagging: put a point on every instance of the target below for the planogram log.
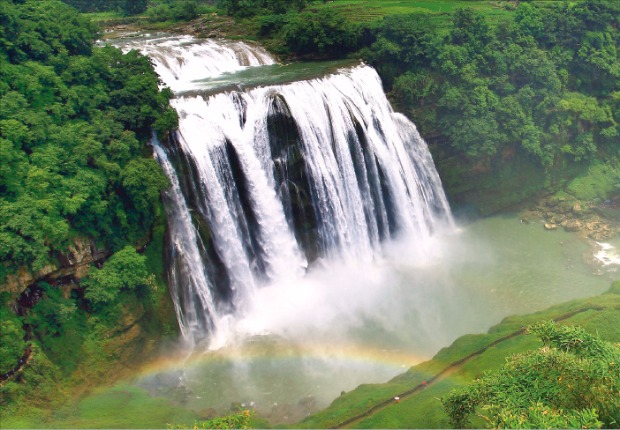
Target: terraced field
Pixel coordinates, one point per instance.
(371, 10)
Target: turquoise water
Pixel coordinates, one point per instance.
(518, 268)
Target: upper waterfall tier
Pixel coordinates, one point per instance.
(182, 62)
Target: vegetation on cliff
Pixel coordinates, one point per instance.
(75, 122)
(541, 90)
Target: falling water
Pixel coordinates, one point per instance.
(270, 179)
(181, 60)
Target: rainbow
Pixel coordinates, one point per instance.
(394, 359)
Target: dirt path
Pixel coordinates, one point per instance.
(449, 370)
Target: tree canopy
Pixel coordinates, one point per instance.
(545, 84)
(74, 121)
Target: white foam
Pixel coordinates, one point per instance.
(608, 256)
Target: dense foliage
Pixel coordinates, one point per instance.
(323, 33)
(571, 382)
(74, 120)
(547, 84)
(12, 343)
(173, 10)
(543, 84)
(125, 270)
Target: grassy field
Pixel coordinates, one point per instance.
(370, 10)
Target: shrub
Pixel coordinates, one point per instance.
(125, 270)
(571, 382)
(324, 32)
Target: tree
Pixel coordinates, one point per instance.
(324, 32)
(12, 344)
(74, 121)
(125, 270)
(528, 19)
(571, 382)
(177, 10)
(470, 28)
(133, 7)
(143, 181)
(41, 30)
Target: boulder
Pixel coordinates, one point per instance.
(572, 225)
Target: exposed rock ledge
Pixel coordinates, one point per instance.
(594, 220)
(74, 264)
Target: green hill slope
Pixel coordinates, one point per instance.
(419, 405)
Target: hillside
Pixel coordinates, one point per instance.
(468, 358)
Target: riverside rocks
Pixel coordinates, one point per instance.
(583, 218)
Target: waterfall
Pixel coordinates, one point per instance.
(267, 180)
(181, 60)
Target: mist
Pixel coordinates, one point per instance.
(304, 341)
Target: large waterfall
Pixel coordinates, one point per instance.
(267, 180)
(310, 245)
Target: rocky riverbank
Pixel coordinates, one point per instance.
(597, 220)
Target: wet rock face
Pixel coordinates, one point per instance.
(74, 264)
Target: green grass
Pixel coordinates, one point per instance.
(118, 407)
(424, 409)
(371, 10)
(104, 19)
(363, 397)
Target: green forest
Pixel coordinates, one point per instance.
(75, 123)
(517, 99)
